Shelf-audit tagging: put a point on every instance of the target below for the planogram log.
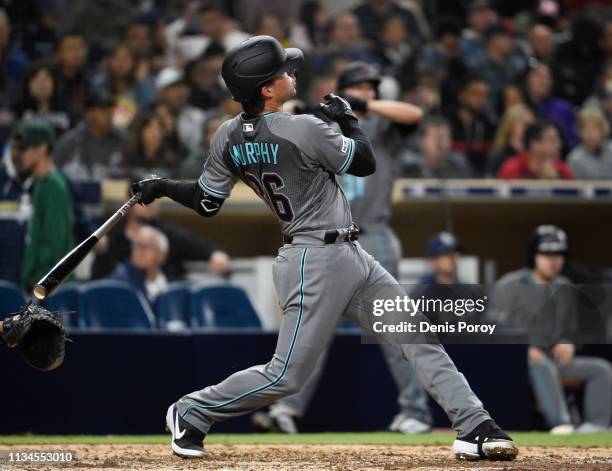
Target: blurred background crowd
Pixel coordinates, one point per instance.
(128, 86)
(97, 90)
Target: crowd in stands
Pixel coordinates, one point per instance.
(137, 88)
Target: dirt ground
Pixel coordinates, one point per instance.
(310, 457)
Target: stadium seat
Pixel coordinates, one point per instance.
(114, 304)
(173, 307)
(66, 298)
(11, 298)
(222, 305)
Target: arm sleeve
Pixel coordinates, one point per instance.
(191, 195)
(363, 163)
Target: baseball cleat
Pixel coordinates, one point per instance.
(187, 442)
(408, 425)
(487, 441)
(282, 419)
(276, 420)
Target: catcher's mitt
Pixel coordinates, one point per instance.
(39, 335)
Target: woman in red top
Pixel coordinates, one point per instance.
(540, 159)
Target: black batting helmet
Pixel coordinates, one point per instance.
(358, 72)
(254, 62)
(547, 239)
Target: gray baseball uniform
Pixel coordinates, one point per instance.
(370, 201)
(291, 162)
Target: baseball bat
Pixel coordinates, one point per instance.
(66, 265)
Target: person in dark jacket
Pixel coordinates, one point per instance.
(183, 245)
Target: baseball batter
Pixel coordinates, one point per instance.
(384, 123)
(321, 273)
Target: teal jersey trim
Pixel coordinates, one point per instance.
(349, 157)
(217, 193)
(291, 347)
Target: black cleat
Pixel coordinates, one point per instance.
(187, 442)
(485, 442)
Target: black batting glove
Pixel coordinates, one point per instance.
(150, 189)
(337, 109)
(357, 104)
(15, 327)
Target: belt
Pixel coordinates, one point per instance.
(349, 234)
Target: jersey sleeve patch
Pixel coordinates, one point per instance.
(349, 151)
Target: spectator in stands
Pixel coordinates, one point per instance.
(40, 100)
(313, 18)
(578, 61)
(12, 65)
(592, 158)
(144, 269)
(541, 42)
(541, 303)
(540, 157)
(70, 72)
(14, 188)
(509, 136)
(13, 61)
(218, 27)
(396, 50)
(435, 158)
(443, 59)
(271, 24)
(472, 130)
(184, 246)
(93, 149)
(204, 78)
(50, 233)
(500, 63)
(345, 43)
(480, 16)
(538, 89)
(372, 14)
(129, 91)
(174, 93)
(138, 40)
(147, 147)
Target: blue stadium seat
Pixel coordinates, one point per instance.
(114, 304)
(173, 307)
(11, 298)
(222, 305)
(66, 298)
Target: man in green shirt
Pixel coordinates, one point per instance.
(50, 233)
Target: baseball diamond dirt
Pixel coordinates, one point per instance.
(258, 457)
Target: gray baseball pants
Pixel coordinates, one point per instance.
(382, 243)
(316, 285)
(596, 374)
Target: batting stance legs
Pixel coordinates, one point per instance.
(316, 284)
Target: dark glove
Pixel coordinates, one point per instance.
(150, 189)
(43, 346)
(337, 109)
(357, 104)
(15, 327)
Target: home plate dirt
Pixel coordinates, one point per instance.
(311, 457)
